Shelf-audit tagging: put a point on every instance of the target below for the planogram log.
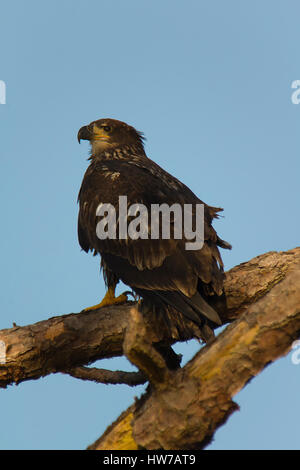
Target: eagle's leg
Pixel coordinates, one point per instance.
(109, 299)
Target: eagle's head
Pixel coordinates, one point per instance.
(106, 134)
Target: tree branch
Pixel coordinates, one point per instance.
(107, 376)
(264, 293)
(184, 411)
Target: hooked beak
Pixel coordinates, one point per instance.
(84, 133)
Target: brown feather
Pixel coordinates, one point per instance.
(161, 270)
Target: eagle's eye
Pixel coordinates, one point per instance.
(106, 128)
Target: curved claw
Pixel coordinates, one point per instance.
(109, 299)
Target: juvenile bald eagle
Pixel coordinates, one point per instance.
(177, 282)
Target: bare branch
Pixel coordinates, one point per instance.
(184, 411)
(67, 341)
(107, 376)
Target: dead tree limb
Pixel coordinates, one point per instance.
(263, 294)
(184, 409)
(107, 376)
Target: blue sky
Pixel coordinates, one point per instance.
(209, 83)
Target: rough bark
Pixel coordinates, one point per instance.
(107, 376)
(181, 409)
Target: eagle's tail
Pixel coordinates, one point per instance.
(190, 316)
(194, 308)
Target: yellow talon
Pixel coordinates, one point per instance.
(109, 299)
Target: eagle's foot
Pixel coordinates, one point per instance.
(109, 299)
